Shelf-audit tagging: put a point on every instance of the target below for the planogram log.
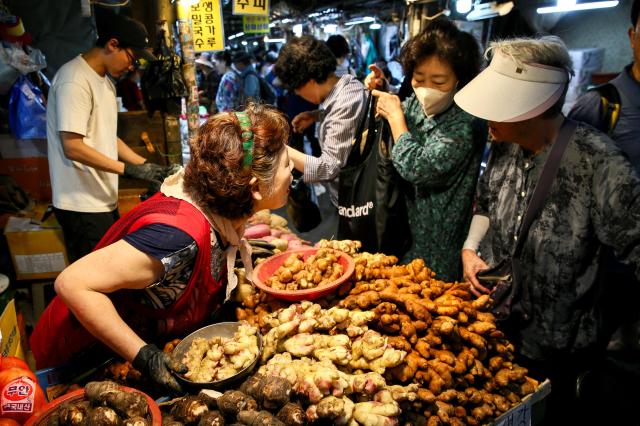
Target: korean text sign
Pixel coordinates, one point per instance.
(206, 23)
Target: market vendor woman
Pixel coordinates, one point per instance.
(165, 267)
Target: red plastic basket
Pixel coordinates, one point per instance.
(41, 418)
(264, 270)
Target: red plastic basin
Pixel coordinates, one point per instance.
(41, 418)
(264, 270)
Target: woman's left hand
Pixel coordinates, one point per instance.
(388, 105)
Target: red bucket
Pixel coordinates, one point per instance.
(41, 418)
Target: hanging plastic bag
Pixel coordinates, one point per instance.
(27, 110)
(26, 60)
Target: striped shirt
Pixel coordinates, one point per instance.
(339, 117)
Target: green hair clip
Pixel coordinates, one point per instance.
(247, 137)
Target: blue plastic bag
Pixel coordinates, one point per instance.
(27, 110)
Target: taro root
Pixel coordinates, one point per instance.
(275, 392)
(73, 414)
(212, 418)
(189, 410)
(258, 418)
(292, 415)
(136, 421)
(126, 404)
(232, 402)
(103, 416)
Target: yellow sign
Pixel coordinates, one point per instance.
(251, 7)
(206, 23)
(255, 24)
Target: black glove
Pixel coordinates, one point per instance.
(159, 365)
(145, 171)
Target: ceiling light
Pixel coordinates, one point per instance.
(240, 34)
(363, 20)
(489, 10)
(274, 40)
(375, 26)
(244, 42)
(463, 6)
(297, 30)
(255, 43)
(569, 6)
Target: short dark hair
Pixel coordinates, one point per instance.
(240, 57)
(223, 55)
(304, 59)
(635, 8)
(442, 38)
(338, 45)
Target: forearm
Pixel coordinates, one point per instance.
(398, 125)
(126, 154)
(108, 326)
(77, 150)
(297, 158)
(477, 231)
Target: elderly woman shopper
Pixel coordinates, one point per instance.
(165, 267)
(435, 147)
(562, 325)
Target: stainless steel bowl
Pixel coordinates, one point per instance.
(222, 329)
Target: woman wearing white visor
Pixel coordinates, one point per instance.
(559, 323)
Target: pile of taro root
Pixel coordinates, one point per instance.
(105, 404)
(409, 347)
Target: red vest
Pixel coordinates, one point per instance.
(58, 335)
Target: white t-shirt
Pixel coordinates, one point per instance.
(83, 102)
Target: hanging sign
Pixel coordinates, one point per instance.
(255, 24)
(251, 7)
(206, 23)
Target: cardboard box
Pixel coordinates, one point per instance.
(37, 249)
(32, 174)
(10, 336)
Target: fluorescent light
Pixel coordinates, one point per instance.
(363, 20)
(287, 20)
(240, 34)
(489, 10)
(375, 26)
(244, 42)
(567, 7)
(463, 6)
(271, 25)
(274, 40)
(255, 43)
(297, 30)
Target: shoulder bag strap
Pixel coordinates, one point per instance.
(367, 117)
(543, 187)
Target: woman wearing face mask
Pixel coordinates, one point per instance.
(437, 147)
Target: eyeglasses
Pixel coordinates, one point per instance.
(133, 60)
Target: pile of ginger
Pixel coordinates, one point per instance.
(462, 364)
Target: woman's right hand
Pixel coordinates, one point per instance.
(471, 265)
(375, 79)
(303, 120)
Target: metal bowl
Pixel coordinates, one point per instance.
(222, 329)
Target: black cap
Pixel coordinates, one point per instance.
(129, 33)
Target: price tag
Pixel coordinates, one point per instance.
(518, 416)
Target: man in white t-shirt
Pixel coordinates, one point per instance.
(85, 154)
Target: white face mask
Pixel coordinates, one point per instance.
(434, 101)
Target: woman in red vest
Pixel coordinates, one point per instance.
(163, 268)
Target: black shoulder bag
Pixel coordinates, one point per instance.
(371, 201)
(510, 298)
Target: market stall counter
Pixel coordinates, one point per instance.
(391, 344)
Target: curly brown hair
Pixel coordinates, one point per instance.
(215, 177)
